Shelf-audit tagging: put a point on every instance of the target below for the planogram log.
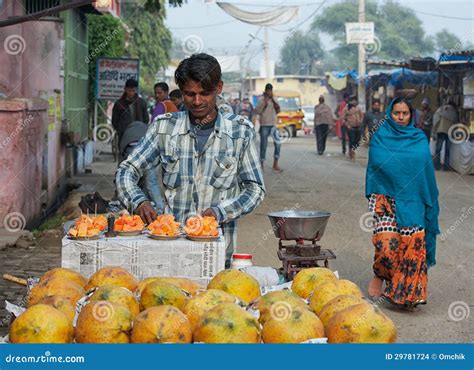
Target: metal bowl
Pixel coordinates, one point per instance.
(294, 225)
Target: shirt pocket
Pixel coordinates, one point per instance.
(171, 174)
(224, 175)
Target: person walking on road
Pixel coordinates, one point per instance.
(372, 120)
(323, 118)
(267, 108)
(403, 198)
(424, 118)
(352, 117)
(444, 117)
(129, 108)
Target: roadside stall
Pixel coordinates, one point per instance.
(456, 83)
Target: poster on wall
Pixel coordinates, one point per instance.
(111, 75)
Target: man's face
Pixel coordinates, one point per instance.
(376, 107)
(269, 93)
(200, 103)
(160, 94)
(176, 101)
(131, 92)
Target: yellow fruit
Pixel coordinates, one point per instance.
(336, 305)
(112, 275)
(227, 323)
(41, 324)
(56, 286)
(278, 303)
(186, 284)
(361, 323)
(158, 293)
(104, 322)
(198, 305)
(62, 304)
(306, 280)
(331, 289)
(117, 294)
(67, 274)
(238, 283)
(161, 324)
(297, 326)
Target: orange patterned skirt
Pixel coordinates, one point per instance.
(400, 255)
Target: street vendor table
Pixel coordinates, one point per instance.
(145, 257)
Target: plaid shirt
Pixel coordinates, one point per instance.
(226, 176)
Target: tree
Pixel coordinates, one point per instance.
(399, 33)
(446, 41)
(106, 38)
(150, 40)
(300, 52)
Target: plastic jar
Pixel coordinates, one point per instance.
(240, 260)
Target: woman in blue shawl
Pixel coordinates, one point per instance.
(403, 196)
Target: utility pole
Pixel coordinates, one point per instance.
(361, 87)
(265, 52)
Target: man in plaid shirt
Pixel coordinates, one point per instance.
(209, 160)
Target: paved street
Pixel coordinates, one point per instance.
(334, 184)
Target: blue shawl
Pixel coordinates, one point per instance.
(400, 166)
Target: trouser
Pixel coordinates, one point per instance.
(354, 138)
(265, 132)
(428, 134)
(321, 136)
(441, 138)
(343, 136)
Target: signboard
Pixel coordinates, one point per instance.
(357, 33)
(112, 74)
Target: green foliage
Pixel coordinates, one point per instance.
(106, 39)
(447, 41)
(150, 40)
(399, 32)
(300, 53)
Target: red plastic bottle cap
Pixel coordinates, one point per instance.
(242, 256)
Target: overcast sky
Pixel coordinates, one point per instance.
(197, 20)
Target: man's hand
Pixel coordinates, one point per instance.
(146, 212)
(210, 213)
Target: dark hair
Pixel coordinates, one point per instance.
(401, 99)
(268, 87)
(321, 99)
(375, 101)
(162, 85)
(131, 83)
(176, 94)
(202, 68)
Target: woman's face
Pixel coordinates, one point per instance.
(401, 114)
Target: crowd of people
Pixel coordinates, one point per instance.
(354, 127)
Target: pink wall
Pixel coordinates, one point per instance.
(31, 68)
(22, 123)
